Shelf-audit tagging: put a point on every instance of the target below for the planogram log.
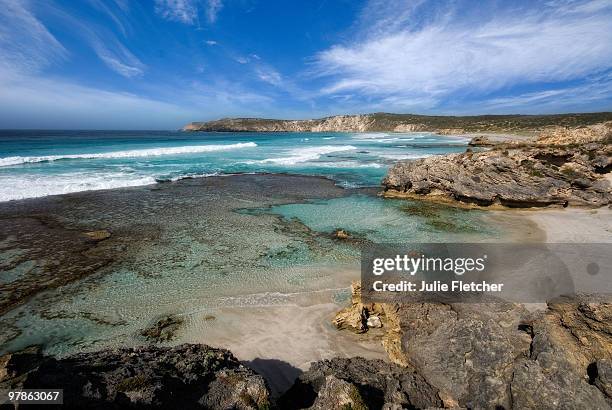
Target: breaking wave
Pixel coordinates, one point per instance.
(300, 155)
(150, 152)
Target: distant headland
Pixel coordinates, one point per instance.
(387, 122)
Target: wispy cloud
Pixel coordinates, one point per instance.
(211, 42)
(574, 98)
(118, 58)
(25, 43)
(187, 11)
(183, 11)
(212, 9)
(431, 56)
(269, 75)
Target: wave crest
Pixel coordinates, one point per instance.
(300, 155)
(150, 152)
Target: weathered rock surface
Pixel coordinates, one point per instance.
(361, 384)
(503, 356)
(514, 176)
(186, 376)
(355, 317)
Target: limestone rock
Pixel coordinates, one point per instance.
(186, 376)
(512, 176)
(353, 317)
(374, 321)
(369, 383)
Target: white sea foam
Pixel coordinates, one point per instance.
(370, 135)
(349, 164)
(14, 187)
(301, 155)
(404, 156)
(150, 152)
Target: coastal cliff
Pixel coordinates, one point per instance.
(379, 122)
(561, 166)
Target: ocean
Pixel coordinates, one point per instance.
(40, 163)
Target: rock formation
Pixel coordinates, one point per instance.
(499, 355)
(564, 167)
(358, 383)
(186, 376)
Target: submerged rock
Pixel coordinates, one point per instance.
(186, 376)
(341, 234)
(99, 235)
(164, 329)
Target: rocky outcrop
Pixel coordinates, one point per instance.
(358, 383)
(186, 376)
(509, 175)
(387, 122)
(356, 316)
(503, 356)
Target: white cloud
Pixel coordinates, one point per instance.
(25, 43)
(269, 75)
(117, 57)
(212, 10)
(183, 11)
(575, 98)
(186, 11)
(445, 54)
(211, 42)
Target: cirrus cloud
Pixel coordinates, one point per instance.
(477, 53)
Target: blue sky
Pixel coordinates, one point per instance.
(159, 64)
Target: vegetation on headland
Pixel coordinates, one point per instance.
(404, 123)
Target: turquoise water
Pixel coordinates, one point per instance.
(390, 220)
(40, 163)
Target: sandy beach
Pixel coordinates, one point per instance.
(573, 224)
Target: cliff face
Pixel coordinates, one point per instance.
(347, 123)
(379, 122)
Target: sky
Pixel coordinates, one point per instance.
(159, 64)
